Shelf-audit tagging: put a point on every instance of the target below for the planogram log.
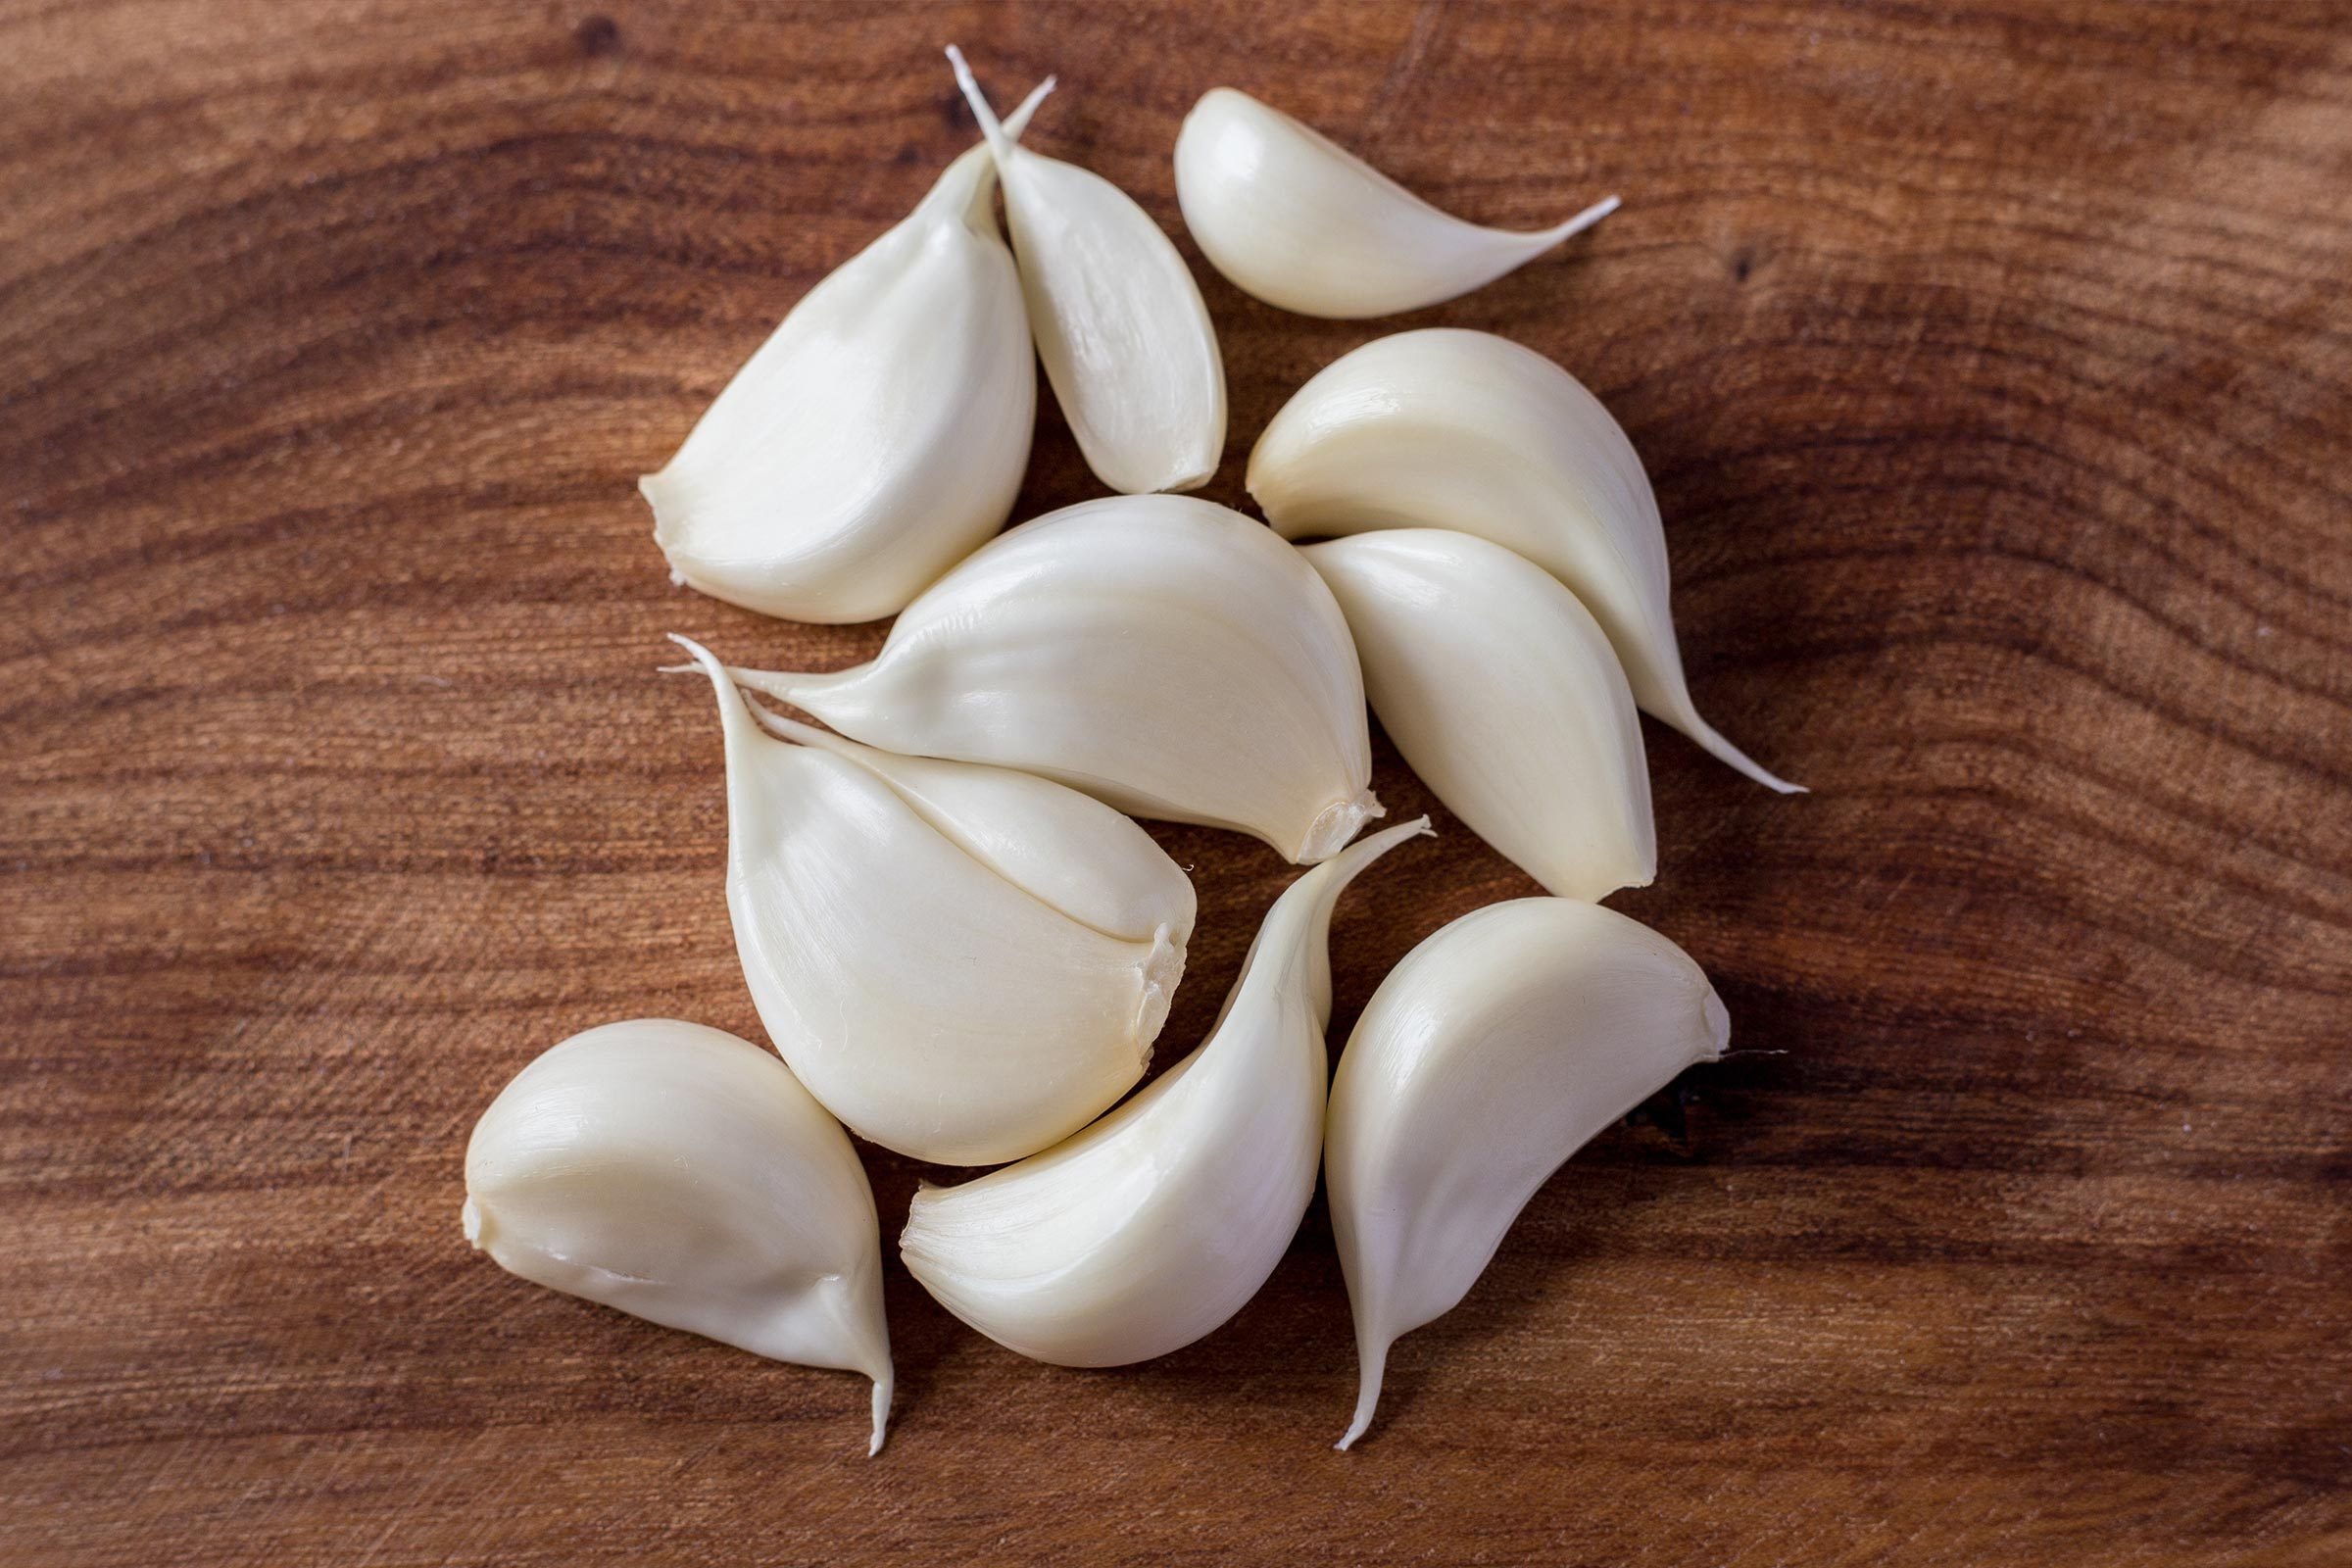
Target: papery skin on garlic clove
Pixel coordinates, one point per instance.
(1119, 322)
(1502, 692)
(1158, 1223)
(1445, 429)
(1292, 218)
(919, 950)
(1163, 654)
(684, 1176)
(879, 435)
(1492, 1053)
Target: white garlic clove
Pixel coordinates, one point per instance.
(1158, 1223)
(1118, 319)
(879, 435)
(1165, 655)
(1065, 849)
(1444, 428)
(1492, 1053)
(925, 997)
(685, 1177)
(1502, 692)
(1303, 224)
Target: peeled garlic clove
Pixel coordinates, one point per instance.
(1165, 655)
(1502, 692)
(1064, 849)
(878, 436)
(930, 1001)
(1454, 429)
(1302, 224)
(685, 1177)
(1492, 1053)
(1119, 322)
(1158, 1223)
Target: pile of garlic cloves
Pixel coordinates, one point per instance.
(960, 941)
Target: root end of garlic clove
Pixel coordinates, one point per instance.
(1338, 825)
(1718, 1019)
(1164, 972)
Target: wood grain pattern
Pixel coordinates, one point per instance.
(1994, 365)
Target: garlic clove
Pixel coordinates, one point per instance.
(1457, 429)
(1165, 655)
(1118, 319)
(1492, 1053)
(1302, 224)
(1502, 692)
(924, 996)
(879, 435)
(1065, 849)
(685, 1177)
(1158, 1223)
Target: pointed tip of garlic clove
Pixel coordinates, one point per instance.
(883, 1386)
(1571, 228)
(1372, 1361)
(1712, 741)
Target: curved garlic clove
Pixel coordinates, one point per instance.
(1302, 224)
(1457, 429)
(1158, 1223)
(685, 1177)
(1502, 692)
(930, 1002)
(879, 435)
(1119, 322)
(1163, 654)
(1492, 1053)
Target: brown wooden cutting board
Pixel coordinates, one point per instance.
(1993, 363)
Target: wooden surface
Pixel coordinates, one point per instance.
(1995, 366)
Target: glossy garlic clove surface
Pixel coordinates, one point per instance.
(1446, 428)
(877, 436)
(1119, 322)
(917, 940)
(684, 1176)
(1492, 1053)
(1158, 1223)
(1502, 693)
(1298, 221)
(1165, 655)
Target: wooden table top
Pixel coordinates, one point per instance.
(1993, 363)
